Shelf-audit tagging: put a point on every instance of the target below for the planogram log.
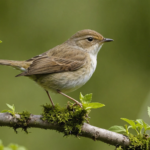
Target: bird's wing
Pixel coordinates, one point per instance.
(53, 63)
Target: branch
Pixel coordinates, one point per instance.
(88, 130)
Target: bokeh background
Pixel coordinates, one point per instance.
(122, 77)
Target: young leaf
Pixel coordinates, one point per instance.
(148, 128)
(131, 122)
(145, 125)
(4, 111)
(11, 107)
(12, 111)
(129, 127)
(81, 97)
(85, 99)
(149, 111)
(140, 121)
(93, 105)
(88, 98)
(117, 129)
(8, 111)
(126, 128)
(139, 128)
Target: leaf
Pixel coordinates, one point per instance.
(149, 111)
(8, 111)
(140, 121)
(11, 112)
(4, 111)
(117, 129)
(85, 99)
(0, 41)
(129, 127)
(148, 128)
(131, 122)
(11, 107)
(92, 105)
(139, 126)
(145, 125)
(88, 98)
(81, 97)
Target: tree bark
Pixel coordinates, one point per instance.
(88, 130)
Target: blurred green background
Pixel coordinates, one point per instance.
(122, 77)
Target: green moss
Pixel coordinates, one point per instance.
(22, 121)
(137, 143)
(70, 119)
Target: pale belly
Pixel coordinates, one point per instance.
(65, 81)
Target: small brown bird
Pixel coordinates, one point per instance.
(65, 67)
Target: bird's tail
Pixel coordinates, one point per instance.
(20, 65)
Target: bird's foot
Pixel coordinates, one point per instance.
(77, 103)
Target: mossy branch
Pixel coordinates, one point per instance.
(89, 131)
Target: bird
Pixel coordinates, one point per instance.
(66, 67)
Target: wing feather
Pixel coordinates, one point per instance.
(52, 64)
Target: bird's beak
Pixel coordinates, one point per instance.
(107, 40)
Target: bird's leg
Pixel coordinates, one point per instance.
(50, 98)
(70, 98)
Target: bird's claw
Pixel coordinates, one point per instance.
(77, 103)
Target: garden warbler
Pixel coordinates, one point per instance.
(65, 67)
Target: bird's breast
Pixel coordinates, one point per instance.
(93, 62)
(69, 81)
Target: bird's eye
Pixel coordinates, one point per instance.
(90, 39)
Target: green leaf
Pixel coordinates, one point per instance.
(145, 125)
(81, 97)
(4, 111)
(131, 122)
(149, 111)
(148, 128)
(93, 105)
(117, 129)
(140, 121)
(0, 41)
(8, 111)
(11, 112)
(85, 99)
(88, 98)
(11, 107)
(129, 127)
(139, 128)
